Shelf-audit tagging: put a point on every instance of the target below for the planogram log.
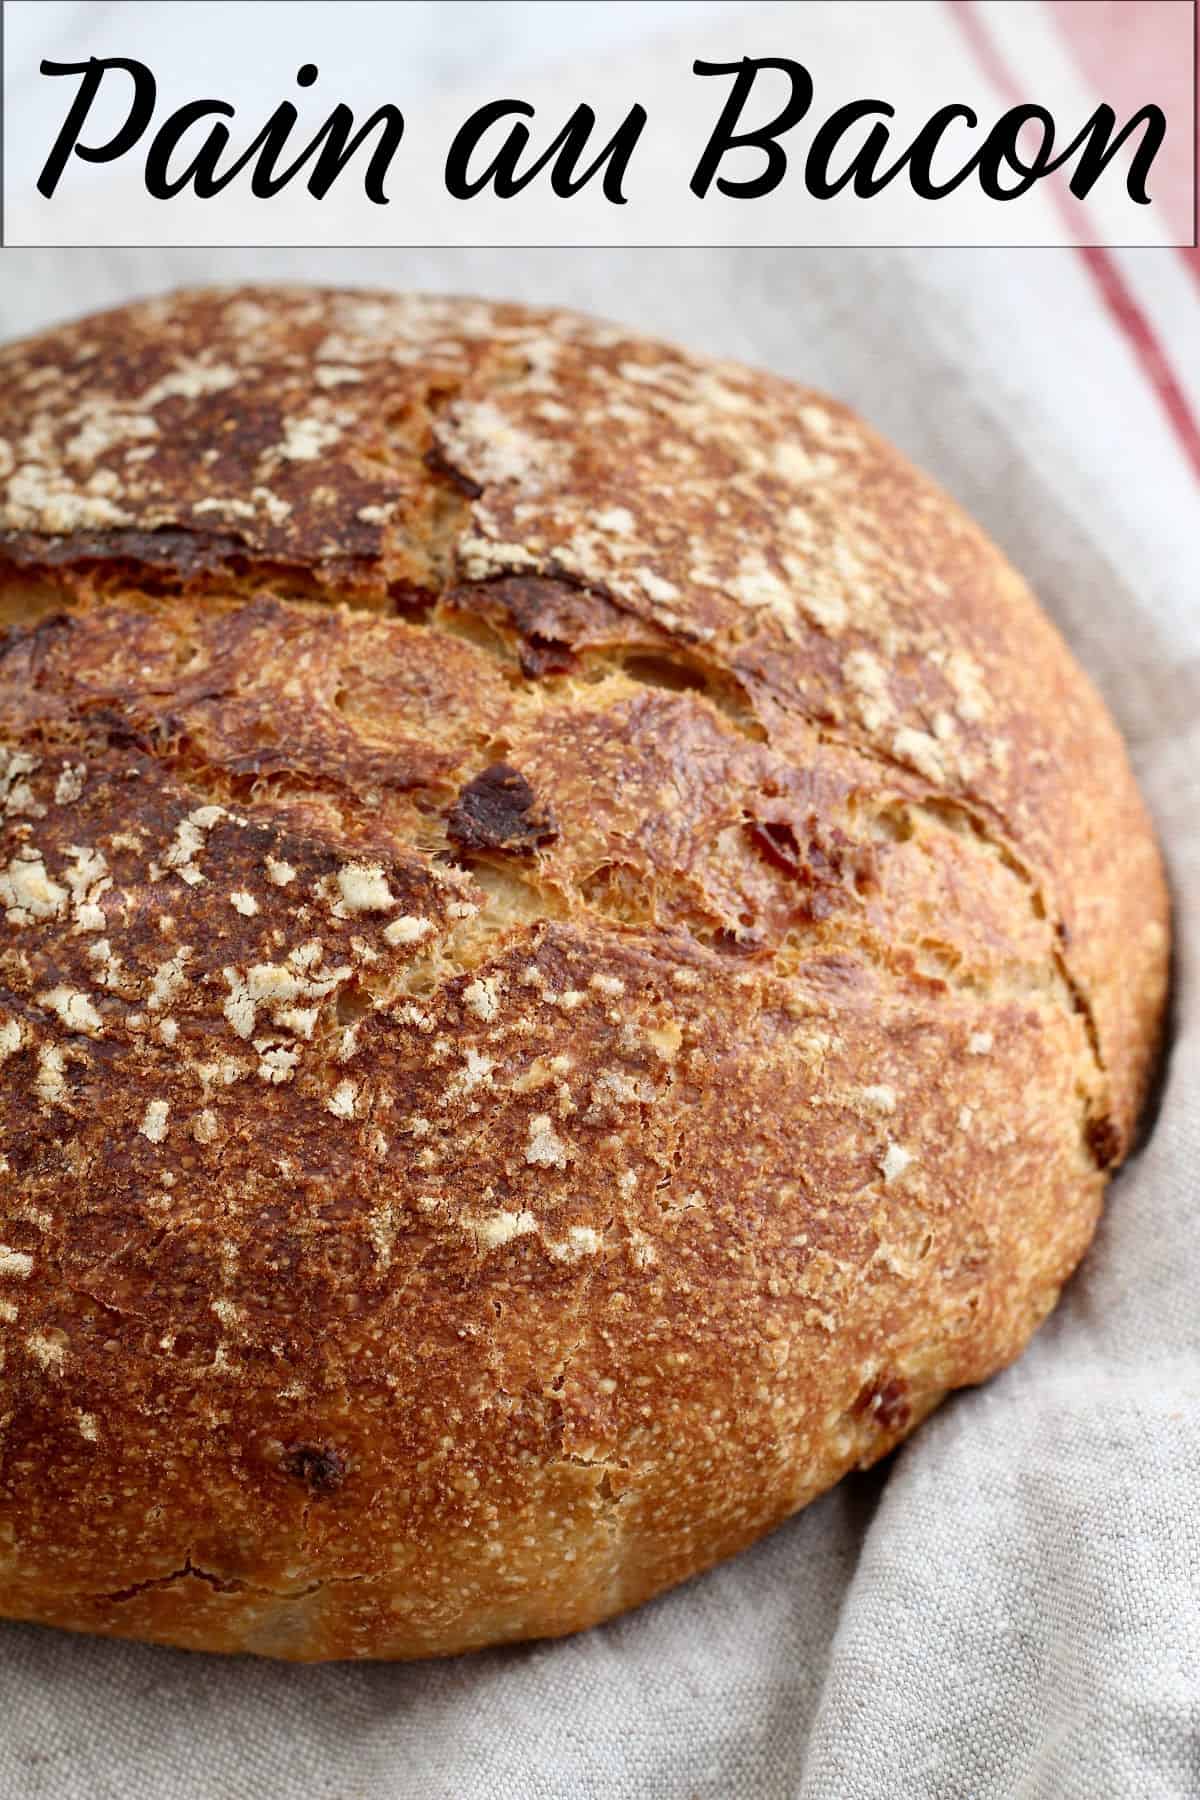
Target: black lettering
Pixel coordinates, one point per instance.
(726, 137)
(159, 183)
(339, 147)
(460, 183)
(333, 146)
(141, 111)
(920, 153)
(861, 170)
(505, 174)
(202, 172)
(1098, 151)
(1000, 149)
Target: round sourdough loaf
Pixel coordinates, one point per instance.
(576, 951)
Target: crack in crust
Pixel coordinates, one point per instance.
(220, 1584)
(672, 666)
(496, 814)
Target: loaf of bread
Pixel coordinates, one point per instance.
(576, 952)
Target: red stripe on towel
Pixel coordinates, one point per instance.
(1135, 54)
(1118, 297)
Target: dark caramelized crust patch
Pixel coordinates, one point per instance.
(497, 810)
(318, 1466)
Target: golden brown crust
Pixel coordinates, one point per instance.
(575, 953)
